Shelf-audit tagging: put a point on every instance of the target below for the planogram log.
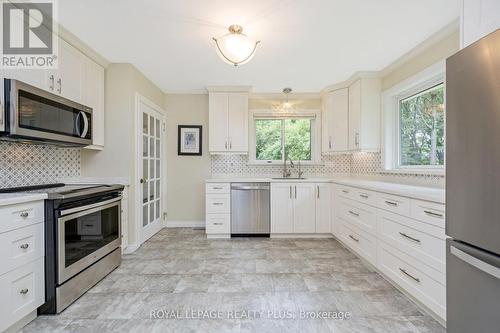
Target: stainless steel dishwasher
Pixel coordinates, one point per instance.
(250, 209)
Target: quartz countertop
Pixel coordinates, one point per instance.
(20, 197)
(412, 191)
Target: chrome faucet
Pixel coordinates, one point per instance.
(300, 172)
(287, 173)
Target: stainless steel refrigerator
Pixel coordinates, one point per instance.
(473, 187)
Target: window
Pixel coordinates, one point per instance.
(421, 128)
(414, 123)
(274, 138)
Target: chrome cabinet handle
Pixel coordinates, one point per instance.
(218, 223)
(295, 192)
(24, 246)
(354, 238)
(394, 204)
(356, 140)
(353, 213)
(318, 190)
(345, 191)
(330, 142)
(225, 145)
(51, 78)
(24, 214)
(409, 237)
(23, 291)
(59, 81)
(409, 275)
(217, 188)
(428, 212)
(364, 196)
(217, 203)
(290, 192)
(230, 144)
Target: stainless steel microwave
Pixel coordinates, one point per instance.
(31, 114)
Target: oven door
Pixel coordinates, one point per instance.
(85, 235)
(36, 114)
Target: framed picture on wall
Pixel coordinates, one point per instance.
(189, 140)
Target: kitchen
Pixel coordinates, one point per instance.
(245, 191)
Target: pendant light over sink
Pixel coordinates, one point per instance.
(236, 48)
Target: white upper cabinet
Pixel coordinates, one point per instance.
(364, 115)
(228, 122)
(479, 18)
(68, 79)
(335, 125)
(93, 96)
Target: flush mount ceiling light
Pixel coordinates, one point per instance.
(236, 48)
(285, 107)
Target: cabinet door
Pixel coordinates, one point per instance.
(69, 76)
(94, 98)
(326, 116)
(304, 208)
(218, 122)
(354, 115)
(238, 122)
(281, 208)
(479, 18)
(323, 208)
(339, 122)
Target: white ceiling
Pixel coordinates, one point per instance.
(305, 44)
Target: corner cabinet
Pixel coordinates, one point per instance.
(364, 115)
(228, 122)
(335, 126)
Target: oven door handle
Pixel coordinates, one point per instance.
(82, 208)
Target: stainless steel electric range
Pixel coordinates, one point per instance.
(82, 239)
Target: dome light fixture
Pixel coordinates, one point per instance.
(236, 48)
(286, 107)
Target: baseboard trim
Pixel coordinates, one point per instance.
(185, 224)
(327, 235)
(131, 248)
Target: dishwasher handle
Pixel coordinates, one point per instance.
(250, 186)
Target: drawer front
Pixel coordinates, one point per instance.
(362, 243)
(21, 246)
(21, 291)
(218, 224)
(218, 204)
(218, 188)
(344, 191)
(429, 289)
(365, 196)
(425, 243)
(429, 212)
(21, 215)
(361, 215)
(394, 203)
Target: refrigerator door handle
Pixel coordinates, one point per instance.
(481, 265)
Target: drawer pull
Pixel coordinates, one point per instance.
(217, 203)
(353, 213)
(364, 196)
(217, 188)
(409, 237)
(24, 214)
(409, 275)
(428, 212)
(345, 191)
(218, 223)
(354, 238)
(24, 246)
(391, 203)
(89, 225)
(23, 291)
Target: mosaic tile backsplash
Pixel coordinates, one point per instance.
(25, 164)
(366, 165)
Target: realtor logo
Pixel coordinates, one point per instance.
(28, 35)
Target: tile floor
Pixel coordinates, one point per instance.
(179, 271)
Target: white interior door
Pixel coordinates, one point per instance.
(151, 156)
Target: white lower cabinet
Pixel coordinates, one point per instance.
(300, 208)
(403, 237)
(218, 210)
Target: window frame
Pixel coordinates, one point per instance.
(391, 154)
(313, 114)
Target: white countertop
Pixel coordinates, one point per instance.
(96, 180)
(20, 197)
(417, 192)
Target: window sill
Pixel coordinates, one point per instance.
(430, 172)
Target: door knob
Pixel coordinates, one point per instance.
(144, 180)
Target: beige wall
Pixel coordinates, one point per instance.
(186, 175)
(117, 159)
(438, 51)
